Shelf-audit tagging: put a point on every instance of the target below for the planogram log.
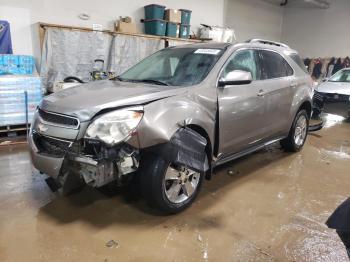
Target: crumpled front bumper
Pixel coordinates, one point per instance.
(44, 163)
(45, 160)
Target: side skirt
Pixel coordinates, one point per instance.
(245, 152)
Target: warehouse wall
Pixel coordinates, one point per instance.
(318, 32)
(24, 14)
(254, 19)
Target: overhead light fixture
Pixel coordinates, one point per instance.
(284, 3)
(319, 3)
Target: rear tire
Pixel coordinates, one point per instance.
(298, 133)
(154, 176)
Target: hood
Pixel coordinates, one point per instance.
(340, 88)
(85, 101)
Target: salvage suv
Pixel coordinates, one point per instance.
(168, 121)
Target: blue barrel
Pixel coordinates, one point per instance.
(154, 11)
(184, 31)
(155, 27)
(185, 16)
(171, 29)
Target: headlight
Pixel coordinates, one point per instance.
(115, 126)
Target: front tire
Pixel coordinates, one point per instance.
(298, 133)
(168, 187)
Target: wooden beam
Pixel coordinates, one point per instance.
(43, 27)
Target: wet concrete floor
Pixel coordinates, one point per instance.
(269, 206)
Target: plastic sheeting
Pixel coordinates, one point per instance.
(72, 53)
(126, 51)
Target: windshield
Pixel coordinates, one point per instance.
(174, 67)
(341, 76)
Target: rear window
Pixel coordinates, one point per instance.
(299, 62)
(273, 65)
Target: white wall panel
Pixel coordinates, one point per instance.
(318, 32)
(254, 19)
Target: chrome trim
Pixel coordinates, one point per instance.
(59, 125)
(254, 49)
(86, 160)
(54, 138)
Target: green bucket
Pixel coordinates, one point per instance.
(155, 27)
(154, 11)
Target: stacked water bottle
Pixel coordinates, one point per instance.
(20, 89)
(16, 64)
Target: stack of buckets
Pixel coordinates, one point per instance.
(156, 25)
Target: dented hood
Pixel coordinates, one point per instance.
(85, 101)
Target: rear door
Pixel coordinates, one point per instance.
(278, 81)
(241, 109)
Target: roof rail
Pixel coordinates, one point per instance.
(267, 42)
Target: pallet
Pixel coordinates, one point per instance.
(14, 130)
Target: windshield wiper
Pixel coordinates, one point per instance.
(152, 81)
(117, 78)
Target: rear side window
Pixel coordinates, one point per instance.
(296, 58)
(273, 65)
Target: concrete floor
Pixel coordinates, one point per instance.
(269, 206)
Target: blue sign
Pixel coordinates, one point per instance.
(5, 38)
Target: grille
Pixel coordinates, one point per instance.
(332, 97)
(318, 96)
(59, 120)
(51, 146)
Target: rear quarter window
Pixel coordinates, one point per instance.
(296, 58)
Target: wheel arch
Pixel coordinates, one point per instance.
(209, 149)
(306, 105)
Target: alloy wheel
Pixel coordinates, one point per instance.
(300, 130)
(180, 183)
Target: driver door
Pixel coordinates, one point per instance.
(242, 122)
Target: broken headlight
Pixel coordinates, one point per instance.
(115, 126)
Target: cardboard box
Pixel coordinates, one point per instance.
(173, 15)
(126, 27)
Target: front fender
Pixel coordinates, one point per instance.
(164, 117)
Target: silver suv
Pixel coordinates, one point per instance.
(168, 121)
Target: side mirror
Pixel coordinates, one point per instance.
(237, 77)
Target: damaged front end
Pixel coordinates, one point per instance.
(106, 149)
(73, 160)
(100, 164)
(88, 162)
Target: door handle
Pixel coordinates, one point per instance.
(293, 85)
(261, 92)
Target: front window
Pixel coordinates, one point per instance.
(174, 67)
(341, 76)
(245, 61)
